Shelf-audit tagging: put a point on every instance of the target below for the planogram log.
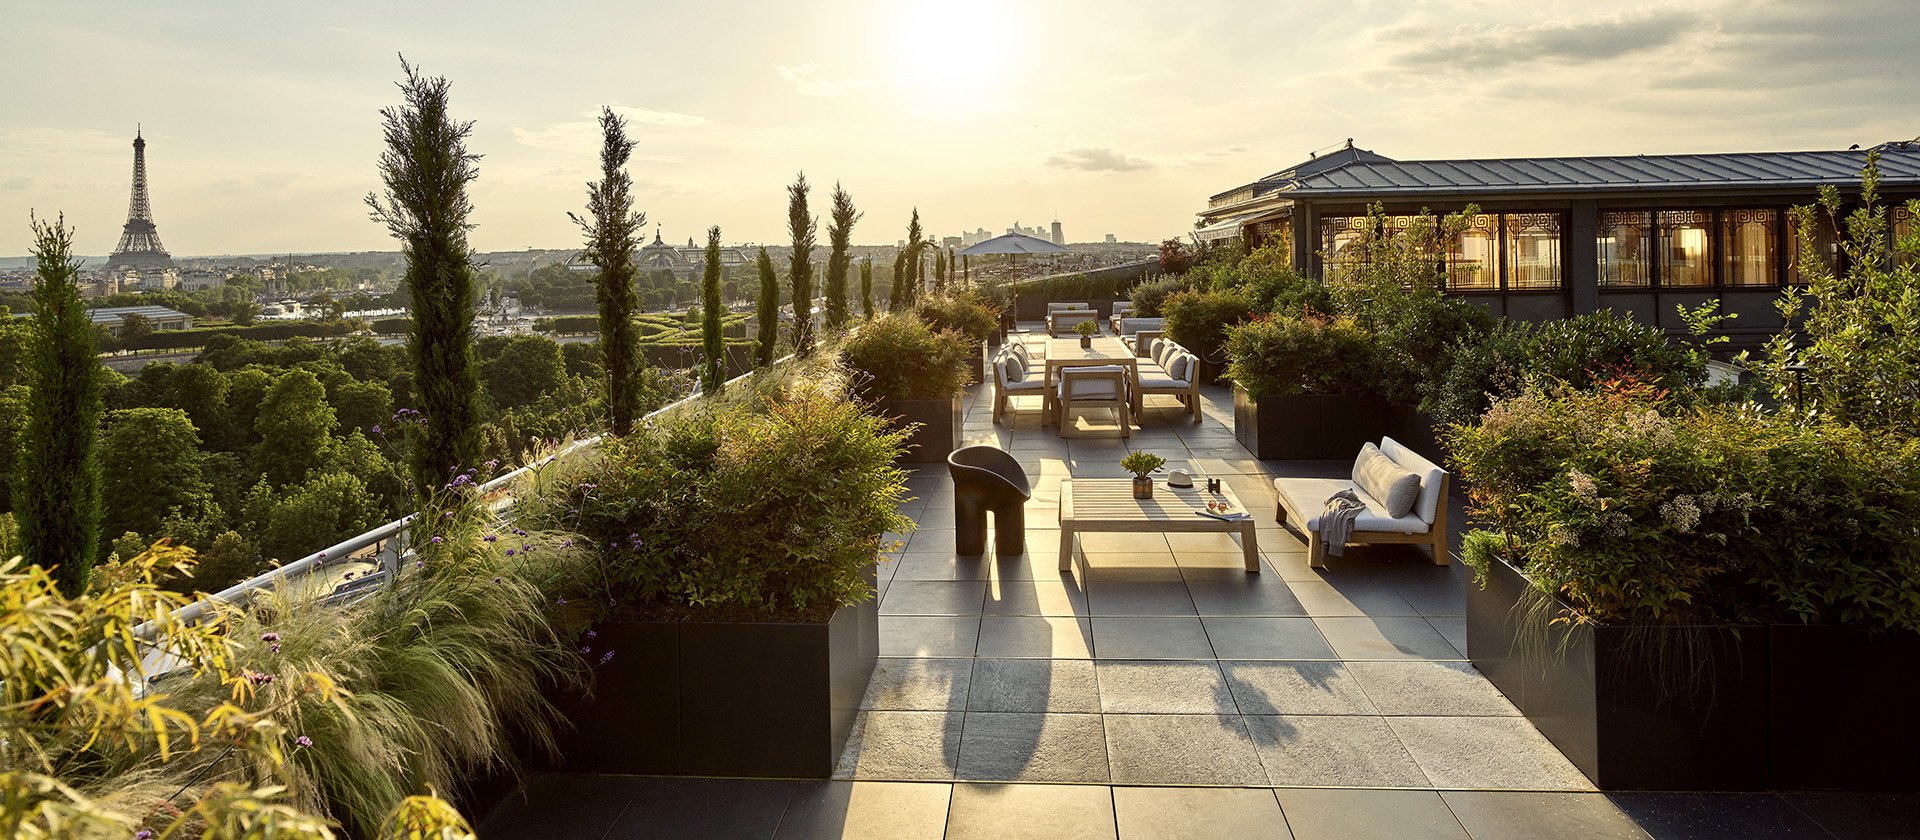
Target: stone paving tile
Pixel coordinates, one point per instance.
(1233, 560)
(1033, 685)
(1295, 688)
(934, 597)
(1431, 688)
(1453, 628)
(1436, 596)
(1351, 598)
(1163, 687)
(1234, 592)
(911, 685)
(1031, 812)
(941, 567)
(1023, 747)
(1102, 542)
(1150, 638)
(1369, 815)
(841, 810)
(928, 635)
(1058, 596)
(933, 540)
(1199, 814)
(1471, 753)
(1057, 637)
(1206, 541)
(902, 745)
(1139, 598)
(1181, 750)
(560, 805)
(1391, 637)
(1332, 751)
(1726, 816)
(1504, 815)
(1244, 637)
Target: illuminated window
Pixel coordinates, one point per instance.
(1532, 250)
(1749, 247)
(1343, 242)
(1825, 241)
(1683, 249)
(1902, 236)
(1625, 240)
(1473, 259)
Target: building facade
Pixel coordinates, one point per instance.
(1554, 237)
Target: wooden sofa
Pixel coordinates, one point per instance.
(1302, 500)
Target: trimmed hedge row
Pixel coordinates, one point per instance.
(187, 339)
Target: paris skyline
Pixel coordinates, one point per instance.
(262, 124)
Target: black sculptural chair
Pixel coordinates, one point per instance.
(986, 478)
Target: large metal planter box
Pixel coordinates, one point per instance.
(939, 427)
(1844, 705)
(1635, 708)
(1307, 426)
(723, 698)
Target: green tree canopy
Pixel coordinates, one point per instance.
(151, 466)
(767, 308)
(295, 425)
(524, 368)
(56, 492)
(801, 226)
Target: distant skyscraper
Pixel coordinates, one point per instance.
(1059, 238)
(139, 247)
(1111, 239)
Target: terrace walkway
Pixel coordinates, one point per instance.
(1160, 691)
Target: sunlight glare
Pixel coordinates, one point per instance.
(955, 51)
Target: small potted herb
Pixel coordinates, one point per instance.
(1087, 330)
(1140, 463)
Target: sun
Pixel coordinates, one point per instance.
(954, 51)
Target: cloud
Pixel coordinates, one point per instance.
(1572, 42)
(1092, 159)
(648, 116)
(806, 78)
(585, 134)
(17, 182)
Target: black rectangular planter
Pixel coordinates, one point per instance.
(1416, 431)
(1844, 708)
(1635, 708)
(724, 698)
(976, 363)
(1308, 426)
(939, 430)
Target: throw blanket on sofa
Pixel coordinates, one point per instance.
(1336, 522)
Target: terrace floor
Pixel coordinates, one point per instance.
(1160, 691)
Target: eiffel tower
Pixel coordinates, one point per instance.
(139, 248)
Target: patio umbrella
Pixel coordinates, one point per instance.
(1013, 244)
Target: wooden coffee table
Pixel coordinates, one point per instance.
(1107, 504)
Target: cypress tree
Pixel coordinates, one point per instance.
(710, 306)
(839, 234)
(866, 288)
(56, 491)
(767, 335)
(426, 168)
(896, 293)
(612, 230)
(916, 271)
(801, 226)
(940, 271)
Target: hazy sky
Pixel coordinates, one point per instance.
(1119, 116)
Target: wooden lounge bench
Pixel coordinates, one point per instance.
(1303, 500)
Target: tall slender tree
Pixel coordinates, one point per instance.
(940, 271)
(767, 334)
(801, 226)
(897, 292)
(866, 288)
(839, 237)
(710, 308)
(612, 230)
(916, 274)
(56, 491)
(426, 168)
(953, 263)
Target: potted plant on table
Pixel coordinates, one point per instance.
(1086, 330)
(1140, 463)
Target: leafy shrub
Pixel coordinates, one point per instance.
(391, 326)
(1580, 352)
(201, 336)
(568, 324)
(898, 358)
(1175, 258)
(1272, 355)
(1148, 296)
(965, 313)
(1635, 509)
(732, 514)
(1199, 320)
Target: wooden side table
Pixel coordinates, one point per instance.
(1107, 504)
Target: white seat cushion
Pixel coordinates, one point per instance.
(1090, 383)
(1162, 381)
(1431, 476)
(1308, 497)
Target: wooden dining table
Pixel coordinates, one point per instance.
(1066, 352)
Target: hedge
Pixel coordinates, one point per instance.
(187, 339)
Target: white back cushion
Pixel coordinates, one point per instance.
(1180, 366)
(1014, 369)
(1431, 476)
(1393, 486)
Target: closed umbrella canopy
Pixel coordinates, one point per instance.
(1013, 243)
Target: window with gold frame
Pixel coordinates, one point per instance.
(1532, 252)
(1826, 245)
(1749, 247)
(1473, 258)
(1685, 248)
(1625, 240)
(1342, 244)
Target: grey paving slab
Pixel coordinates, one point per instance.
(916, 684)
(1150, 638)
(1430, 688)
(1181, 750)
(928, 635)
(1164, 813)
(1441, 595)
(1031, 812)
(1295, 688)
(1478, 753)
(1027, 747)
(1056, 637)
(1722, 816)
(560, 805)
(930, 538)
(1453, 628)
(1501, 815)
(902, 745)
(934, 597)
(1390, 637)
(1250, 637)
(1101, 542)
(1351, 598)
(1888, 815)
(700, 808)
(1163, 687)
(1332, 751)
(1059, 596)
(838, 810)
(942, 567)
(1034, 685)
(1234, 592)
(1138, 598)
(1369, 815)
